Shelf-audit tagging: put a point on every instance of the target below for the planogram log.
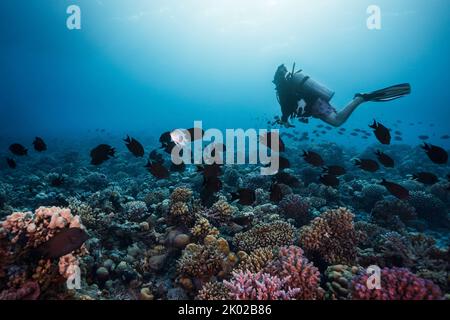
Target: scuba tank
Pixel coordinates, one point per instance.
(306, 87)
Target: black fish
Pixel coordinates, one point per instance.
(195, 134)
(63, 243)
(329, 180)
(246, 196)
(354, 134)
(165, 138)
(156, 157)
(284, 163)
(425, 178)
(166, 142)
(367, 165)
(334, 170)
(135, 147)
(39, 145)
(381, 132)
(269, 138)
(18, 149)
(211, 170)
(398, 138)
(396, 189)
(424, 137)
(157, 170)
(101, 153)
(436, 154)
(11, 163)
(398, 133)
(57, 182)
(276, 194)
(212, 184)
(313, 158)
(287, 179)
(445, 137)
(384, 159)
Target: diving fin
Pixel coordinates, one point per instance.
(387, 94)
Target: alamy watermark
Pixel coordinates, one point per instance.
(374, 20)
(73, 22)
(374, 280)
(236, 147)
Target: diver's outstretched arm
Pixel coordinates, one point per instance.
(337, 119)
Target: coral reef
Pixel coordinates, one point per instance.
(265, 235)
(295, 207)
(332, 236)
(396, 284)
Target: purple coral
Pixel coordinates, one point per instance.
(28, 291)
(297, 208)
(396, 284)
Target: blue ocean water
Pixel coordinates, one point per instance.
(143, 67)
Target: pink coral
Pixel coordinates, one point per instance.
(258, 286)
(40, 226)
(297, 272)
(396, 284)
(28, 291)
(289, 276)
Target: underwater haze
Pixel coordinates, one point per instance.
(94, 207)
(155, 65)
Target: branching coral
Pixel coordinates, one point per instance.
(297, 208)
(28, 291)
(203, 228)
(388, 213)
(181, 195)
(258, 286)
(396, 284)
(214, 291)
(274, 234)
(202, 262)
(332, 236)
(428, 207)
(255, 261)
(221, 212)
(297, 272)
(289, 276)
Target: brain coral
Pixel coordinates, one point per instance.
(331, 235)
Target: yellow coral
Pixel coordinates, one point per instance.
(255, 261)
(181, 195)
(273, 234)
(203, 228)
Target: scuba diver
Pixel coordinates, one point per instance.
(295, 87)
